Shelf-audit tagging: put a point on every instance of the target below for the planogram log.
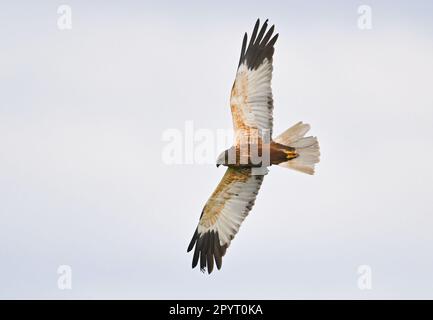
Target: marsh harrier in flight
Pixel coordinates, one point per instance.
(253, 151)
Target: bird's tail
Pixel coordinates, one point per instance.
(307, 148)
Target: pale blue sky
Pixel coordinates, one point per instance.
(82, 114)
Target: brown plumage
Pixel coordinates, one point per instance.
(258, 154)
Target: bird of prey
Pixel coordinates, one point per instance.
(253, 151)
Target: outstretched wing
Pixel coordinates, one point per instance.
(251, 97)
(222, 216)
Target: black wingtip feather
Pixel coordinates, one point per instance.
(254, 34)
(208, 251)
(202, 261)
(209, 263)
(261, 33)
(268, 35)
(195, 258)
(259, 47)
(244, 46)
(192, 242)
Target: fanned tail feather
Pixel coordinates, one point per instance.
(307, 148)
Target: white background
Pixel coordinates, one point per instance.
(82, 183)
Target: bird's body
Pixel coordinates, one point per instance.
(253, 151)
(258, 154)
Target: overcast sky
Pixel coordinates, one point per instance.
(82, 181)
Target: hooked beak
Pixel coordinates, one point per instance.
(220, 160)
